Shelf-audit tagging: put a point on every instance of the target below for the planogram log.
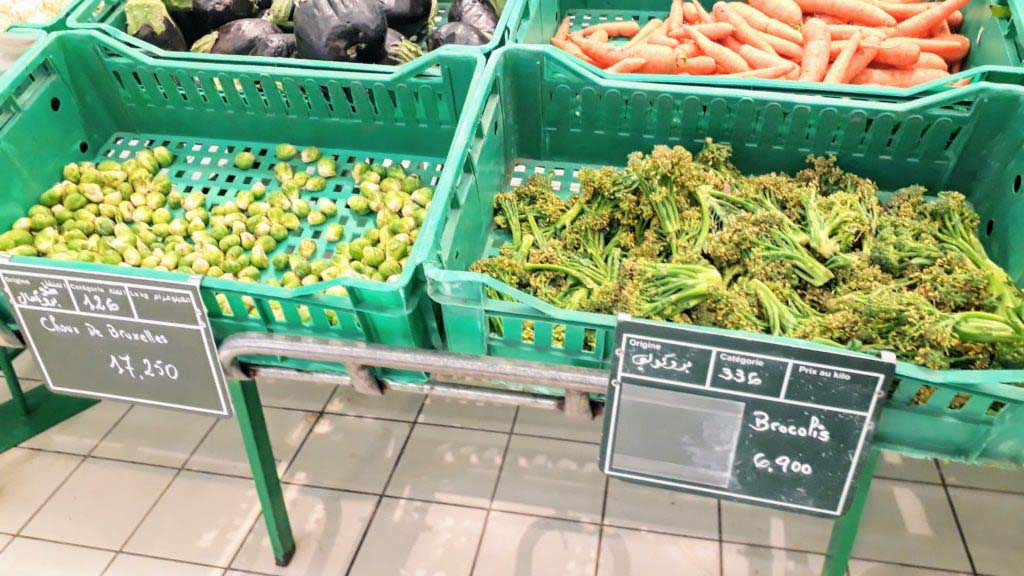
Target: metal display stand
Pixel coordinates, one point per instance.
(452, 375)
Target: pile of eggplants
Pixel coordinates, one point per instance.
(366, 31)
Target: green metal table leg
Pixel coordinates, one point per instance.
(246, 399)
(13, 384)
(844, 530)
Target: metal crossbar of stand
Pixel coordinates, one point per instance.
(454, 375)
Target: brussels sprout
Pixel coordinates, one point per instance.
(373, 256)
(109, 166)
(317, 267)
(299, 265)
(215, 272)
(393, 202)
(162, 184)
(283, 172)
(258, 258)
(316, 218)
(169, 260)
(147, 161)
(76, 201)
(42, 221)
(262, 229)
(290, 280)
(212, 254)
(257, 208)
(390, 186)
(151, 261)
(356, 248)
(291, 221)
(23, 223)
(389, 267)
(243, 199)
(245, 160)
(292, 189)
(316, 184)
(218, 231)
(72, 172)
(229, 241)
(370, 190)
(310, 154)
(248, 240)
(51, 197)
(299, 179)
(200, 265)
(161, 216)
(194, 200)
(300, 208)
(395, 171)
(23, 250)
(358, 204)
(154, 200)
(278, 232)
(310, 280)
(326, 167)
(280, 261)
(285, 152)
(334, 232)
(396, 249)
(278, 199)
(175, 200)
(307, 247)
(249, 272)
(163, 156)
(258, 190)
(267, 243)
(359, 171)
(231, 266)
(410, 183)
(235, 253)
(423, 196)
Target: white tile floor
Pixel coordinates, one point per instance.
(407, 485)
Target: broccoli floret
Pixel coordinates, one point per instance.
(835, 223)
(663, 290)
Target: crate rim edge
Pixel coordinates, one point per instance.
(442, 190)
(505, 26)
(471, 121)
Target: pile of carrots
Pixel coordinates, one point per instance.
(897, 43)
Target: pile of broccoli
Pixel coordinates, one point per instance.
(815, 256)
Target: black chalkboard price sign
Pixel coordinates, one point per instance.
(739, 418)
(119, 337)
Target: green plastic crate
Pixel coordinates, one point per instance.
(84, 96)
(59, 22)
(997, 47)
(107, 16)
(536, 114)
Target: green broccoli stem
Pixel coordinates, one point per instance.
(784, 248)
(986, 327)
(523, 249)
(570, 215)
(782, 320)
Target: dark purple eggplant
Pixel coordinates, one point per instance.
(148, 20)
(275, 46)
(340, 30)
(263, 4)
(399, 49)
(479, 14)
(408, 16)
(212, 14)
(456, 33)
(238, 37)
(190, 23)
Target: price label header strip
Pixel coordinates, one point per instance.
(623, 370)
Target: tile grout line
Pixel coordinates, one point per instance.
(152, 506)
(956, 519)
(81, 462)
(280, 476)
(384, 489)
(494, 493)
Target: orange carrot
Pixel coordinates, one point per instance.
(626, 65)
(758, 21)
(786, 11)
(919, 26)
(856, 11)
(715, 31)
(952, 47)
(898, 78)
(660, 39)
(953, 68)
(702, 14)
(959, 83)
(641, 37)
(626, 28)
(697, 66)
(761, 59)
(731, 43)
(661, 60)
(744, 32)
(861, 58)
(793, 74)
(955, 20)
(845, 31)
(929, 60)
(901, 11)
(782, 46)
(897, 52)
(837, 72)
(724, 57)
(690, 14)
(602, 53)
(675, 17)
(599, 36)
(816, 50)
(892, 52)
(563, 29)
(688, 49)
(763, 73)
(832, 20)
(941, 30)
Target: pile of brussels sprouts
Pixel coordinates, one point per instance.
(130, 214)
